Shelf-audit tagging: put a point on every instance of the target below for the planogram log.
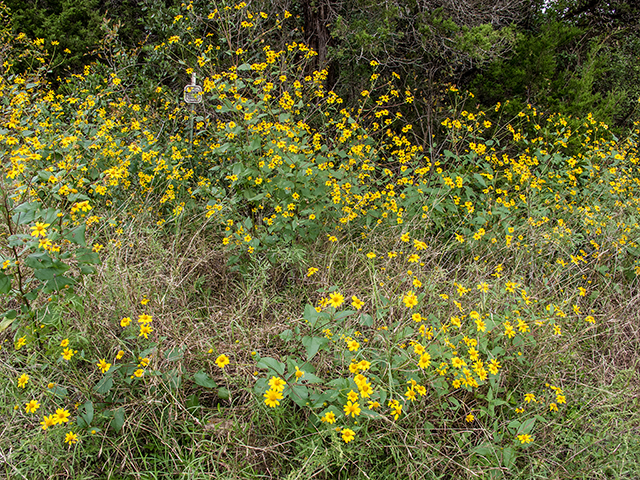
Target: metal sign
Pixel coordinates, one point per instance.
(193, 92)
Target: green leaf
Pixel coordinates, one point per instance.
(5, 283)
(370, 413)
(58, 391)
(527, 426)
(311, 378)
(77, 235)
(58, 283)
(317, 400)
(192, 402)
(204, 380)
(311, 314)
(88, 412)
(25, 213)
(514, 426)
(174, 354)
(52, 272)
(88, 257)
(271, 364)
(299, 394)
(6, 323)
(104, 385)
(39, 260)
(480, 180)
(313, 344)
(339, 316)
(174, 377)
(508, 457)
(366, 320)
(286, 336)
(118, 419)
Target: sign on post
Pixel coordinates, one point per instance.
(193, 92)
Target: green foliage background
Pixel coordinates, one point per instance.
(572, 58)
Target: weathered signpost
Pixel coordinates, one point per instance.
(192, 95)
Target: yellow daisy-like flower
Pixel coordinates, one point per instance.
(329, 418)
(525, 438)
(71, 438)
(145, 330)
(145, 319)
(40, 229)
(494, 365)
(336, 299)
(348, 435)
(103, 365)
(352, 409)
(272, 397)
(32, 406)
(125, 322)
(67, 353)
(61, 416)
(396, 408)
(352, 396)
(277, 384)
(365, 389)
(222, 361)
(357, 303)
(311, 271)
(425, 360)
(410, 300)
(47, 421)
(22, 380)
